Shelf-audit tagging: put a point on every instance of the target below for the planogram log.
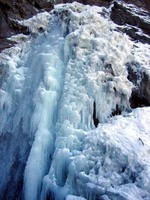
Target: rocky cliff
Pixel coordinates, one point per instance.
(13, 10)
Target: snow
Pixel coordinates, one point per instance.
(72, 197)
(141, 56)
(39, 21)
(55, 81)
(115, 155)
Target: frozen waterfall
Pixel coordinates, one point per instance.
(61, 89)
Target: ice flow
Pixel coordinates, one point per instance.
(62, 89)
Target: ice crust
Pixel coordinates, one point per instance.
(51, 83)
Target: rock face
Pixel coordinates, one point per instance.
(12, 10)
(144, 3)
(135, 22)
(141, 92)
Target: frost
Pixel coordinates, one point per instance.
(37, 22)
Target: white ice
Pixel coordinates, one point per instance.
(55, 84)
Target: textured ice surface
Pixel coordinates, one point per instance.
(72, 197)
(57, 86)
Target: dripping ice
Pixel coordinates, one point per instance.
(55, 81)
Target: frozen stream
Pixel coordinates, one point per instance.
(60, 90)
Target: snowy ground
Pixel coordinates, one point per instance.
(53, 83)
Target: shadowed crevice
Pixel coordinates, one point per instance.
(95, 119)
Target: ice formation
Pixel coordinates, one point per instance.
(60, 89)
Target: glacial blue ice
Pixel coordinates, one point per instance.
(54, 82)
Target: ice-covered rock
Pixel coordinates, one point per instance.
(60, 89)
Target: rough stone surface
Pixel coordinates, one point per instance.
(144, 3)
(12, 10)
(136, 24)
(141, 92)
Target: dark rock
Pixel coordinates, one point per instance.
(5, 43)
(135, 23)
(11, 10)
(141, 92)
(105, 3)
(133, 32)
(95, 119)
(141, 4)
(117, 111)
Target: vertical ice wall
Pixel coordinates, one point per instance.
(95, 76)
(29, 100)
(48, 57)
